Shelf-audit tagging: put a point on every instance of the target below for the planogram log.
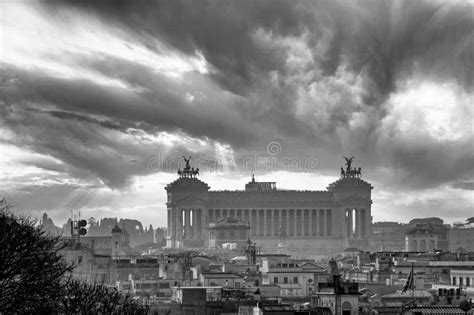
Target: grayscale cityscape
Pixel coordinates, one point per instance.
(237, 157)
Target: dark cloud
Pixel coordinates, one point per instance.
(257, 90)
(384, 37)
(44, 163)
(467, 185)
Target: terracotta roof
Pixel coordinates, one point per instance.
(438, 309)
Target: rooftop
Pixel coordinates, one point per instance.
(438, 309)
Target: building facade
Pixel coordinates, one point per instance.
(421, 240)
(328, 220)
(461, 240)
(228, 230)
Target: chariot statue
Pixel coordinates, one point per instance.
(348, 163)
(187, 167)
(350, 172)
(188, 171)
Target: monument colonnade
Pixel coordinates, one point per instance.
(192, 223)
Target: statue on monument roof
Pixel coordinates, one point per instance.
(350, 172)
(187, 167)
(187, 171)
(348, 162)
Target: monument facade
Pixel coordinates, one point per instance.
(324, 221)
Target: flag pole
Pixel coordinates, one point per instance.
(412, 284)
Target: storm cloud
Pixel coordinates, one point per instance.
(107, 86)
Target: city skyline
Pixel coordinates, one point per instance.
(99, 102)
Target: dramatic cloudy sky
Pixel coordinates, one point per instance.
(100, 99)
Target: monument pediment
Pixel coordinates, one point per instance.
(191, 199)
(355, 200)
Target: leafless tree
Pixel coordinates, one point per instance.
(79, 297)
(31, 267)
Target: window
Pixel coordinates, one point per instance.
(468, 282)
(285, 279)
(165, 285)
(461, 281)
(79, 259)
(275, 279)
(295, 279)
(346, 308)
(454, 280)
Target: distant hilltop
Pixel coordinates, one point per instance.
(103, 227)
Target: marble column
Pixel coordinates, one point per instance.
(310, 226)
(195, 224)
(257, 222)
(273, 223)
(173, 223)
(299, 222)
(314, 222)
(168, 224)
(179, 224)
(325, 222)
(350, 222)
(264, 225)
(329, 222)
(295, 222)
(280, 223)
(202, 223)
(287, 223)
(358, 223)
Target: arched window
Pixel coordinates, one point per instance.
(346, 308)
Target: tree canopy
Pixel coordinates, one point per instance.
(31, 267)
(35, 278)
